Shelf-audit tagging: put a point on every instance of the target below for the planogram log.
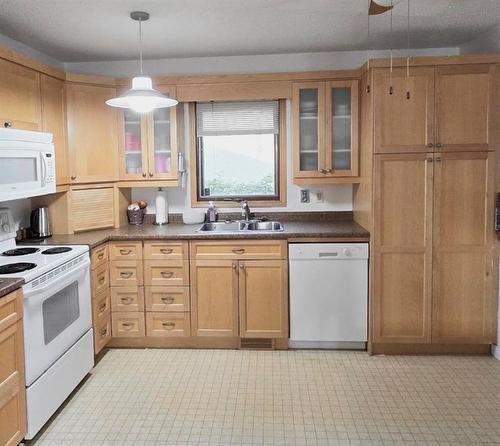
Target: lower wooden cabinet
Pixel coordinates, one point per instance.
(127, 299)
(128, 325)
(168, 324)
(171, 299)
(253, 292)
(101, 302)
(12, 384)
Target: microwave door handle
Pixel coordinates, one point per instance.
(43, 165)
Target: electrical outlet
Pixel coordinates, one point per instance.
(304, 195)
(318, 196)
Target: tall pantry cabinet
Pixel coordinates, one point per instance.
(427, 194)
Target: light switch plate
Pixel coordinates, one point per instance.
(304, 196)
(319, 196)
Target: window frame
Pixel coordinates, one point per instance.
(281, 170)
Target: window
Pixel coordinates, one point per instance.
(238, 150)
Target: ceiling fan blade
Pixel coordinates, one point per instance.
(376, 9)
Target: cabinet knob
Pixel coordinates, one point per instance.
(430, 145)
(439, 145)
(73, 177)
(150, 174)
(7, 124)
(438, 159)
(329, 170)
(242, 266)
(430, 160)
(143, 174)
(323, 171)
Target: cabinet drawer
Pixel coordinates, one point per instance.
(159, 298)
(126, 273)
(255, 249)
(100, 279)
(101, 306)
(128, 299)
(127, 325)
(11, 309)
(102, 334)
(125, 250)
(99, 256)
(166, 251)
(166, 272)
(168, 324)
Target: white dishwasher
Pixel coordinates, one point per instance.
(328, 295)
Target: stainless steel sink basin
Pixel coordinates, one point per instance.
(242, 226)
(265, 226)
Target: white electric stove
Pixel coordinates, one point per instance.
(57, 319)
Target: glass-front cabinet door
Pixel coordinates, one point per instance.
(341, 155)
(163, 147)
(133, 146)
(308, 115)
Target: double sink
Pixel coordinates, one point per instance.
(242, 226)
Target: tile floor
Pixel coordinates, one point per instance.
(217, 397)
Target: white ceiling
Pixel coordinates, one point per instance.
(86, 30)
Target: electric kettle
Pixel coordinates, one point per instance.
(40, 224)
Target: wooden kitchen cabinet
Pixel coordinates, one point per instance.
(464, 107)
(403, 125)
(12, 381)
(92, 133)
(101, 302)
(149, 144)
(214, 298)
(263, 298)
(53, 99)
(463, 249)
(19, 96)
(325, 131)
(402, 263)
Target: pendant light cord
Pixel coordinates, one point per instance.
(408, 51)
(368, 48)
(390, 70)
(140, 44)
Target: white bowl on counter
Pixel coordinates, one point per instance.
(193, 216)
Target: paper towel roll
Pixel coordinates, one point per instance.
(161, 207)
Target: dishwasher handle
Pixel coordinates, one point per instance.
(328, 254)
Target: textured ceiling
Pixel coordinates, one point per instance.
(85, 30)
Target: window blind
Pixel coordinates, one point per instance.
(237, 118)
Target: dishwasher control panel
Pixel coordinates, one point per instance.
(328, 251)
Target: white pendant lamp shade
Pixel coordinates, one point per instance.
(386, 3)
(142, 97)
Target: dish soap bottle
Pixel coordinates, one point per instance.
(212, 212)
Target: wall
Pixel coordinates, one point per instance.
(487, 42)
(334, 60)
(336, 197)
(20, 211)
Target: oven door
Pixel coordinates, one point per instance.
(56, 314)
(25, 173)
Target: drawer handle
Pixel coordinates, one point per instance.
(104, 331)
(167, 274)
(102, 307)
(166, 250)
(100, 256)
(127, 325)
(126, 275)
(168, 300)
(239, 250)
(125, 252)
(168, 325)
(127, 300)
(102, 279)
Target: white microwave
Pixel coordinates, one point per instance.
(27, 164)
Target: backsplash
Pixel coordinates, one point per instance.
(20, 209)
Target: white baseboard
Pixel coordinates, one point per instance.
(495, 351)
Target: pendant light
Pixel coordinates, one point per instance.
(142, 97)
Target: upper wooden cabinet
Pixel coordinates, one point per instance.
(92, 133)
(149, 144)
(464, 102)
(401, 124)
(54, 121)
(449, 109)
(19, 96)
(325, 131)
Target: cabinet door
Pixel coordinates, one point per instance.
(214, 298)
(402, 257)
(342, 116)
(401, 124)
(463, 297)
(133, 149)
(54, 121)
(92, 133)
(19, 96)
(163, 135)
(308, 109)
(263, 296)
(463, 107)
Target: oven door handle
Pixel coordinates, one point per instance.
(56, 280)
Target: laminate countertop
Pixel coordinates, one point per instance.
(8, 285)
(344, 229)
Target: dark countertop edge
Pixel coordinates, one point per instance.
(9, 285)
